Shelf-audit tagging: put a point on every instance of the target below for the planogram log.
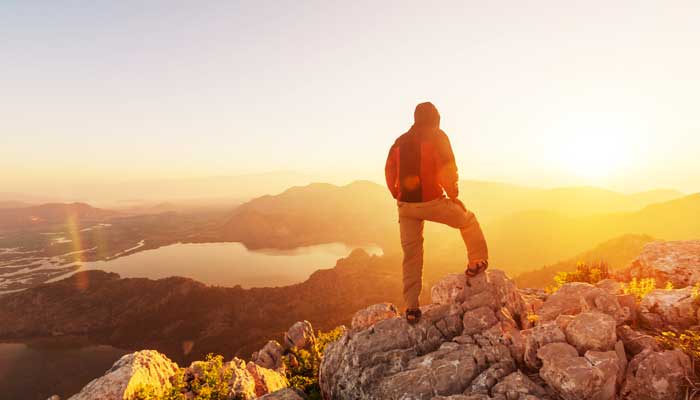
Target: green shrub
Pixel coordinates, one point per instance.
(593, 274)
(303, 365)
(210, 383)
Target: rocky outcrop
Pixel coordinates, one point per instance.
(270, 356)
(284, 394)
(475, 342)
(663, 308)
(455, 349)
(656, 376)
(371, 315)
(676, 262)
(143, 370)
(300, 335)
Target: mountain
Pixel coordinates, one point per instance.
(318, 213)
(524, 226)
(617, 253)
(546, 237)
(51, 213)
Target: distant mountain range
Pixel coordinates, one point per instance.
(617, 253)
(51, 213)
(525, 227)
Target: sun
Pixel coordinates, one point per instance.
(592, 147)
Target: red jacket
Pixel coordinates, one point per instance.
(421, 163)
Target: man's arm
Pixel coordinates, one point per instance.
(447, 167)
(391, 171)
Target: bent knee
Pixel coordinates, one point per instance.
(466, 219)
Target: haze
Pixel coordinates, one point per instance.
(104, 92)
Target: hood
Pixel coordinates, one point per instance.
(426, 115)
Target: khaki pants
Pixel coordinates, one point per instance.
(411, 220)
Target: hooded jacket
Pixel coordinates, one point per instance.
(421, 164)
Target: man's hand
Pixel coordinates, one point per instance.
(459, 203)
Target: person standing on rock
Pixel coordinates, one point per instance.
(421, 174)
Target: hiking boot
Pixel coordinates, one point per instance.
(413, 315)
(476, 267)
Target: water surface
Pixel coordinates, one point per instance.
(229, 264)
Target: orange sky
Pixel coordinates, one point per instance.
(548, 93)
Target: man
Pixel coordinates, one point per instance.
(420, 170)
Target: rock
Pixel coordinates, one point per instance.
(609, 364)
(300, 335)
(270, 356)
(246, 380)
(266, 380)
(591, 331)
(435, 357)
(605, 302)
(656, 376)
(478, 320)
(661, 309)
(284, 394)
(146, 369)
(576, 378)
(628, 307)
(449, 289)
(536, 338)
(611, 286)
(566, 300)
(363, 319)
(516, 385)
(635, 342)
(675, 262)
(496, 291)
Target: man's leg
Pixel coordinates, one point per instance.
(412, 244)
(447, 212)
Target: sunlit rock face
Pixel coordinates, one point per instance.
(132, 372)
(473, 343)
(676, 262)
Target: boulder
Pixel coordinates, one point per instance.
(663, 309)
(146, 369)
(591, 331)
(676, 262)
(518, 386)
(284, 394)
(270, 356)
(576, 378)
(478, 320)
(603, 301)
(635, 342)
(654, 375)
(537, 337)
(435, 358)
(369, 316)
(496, 291)
(266, 380)
(449, 289)
(300, 335)
(566, 300)
(611, 286)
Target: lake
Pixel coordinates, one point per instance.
(229, 264)
(39, 369)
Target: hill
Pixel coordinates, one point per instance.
(524, 226)
(51, 213)
(617, 253)
(166, 313)
(546, 237)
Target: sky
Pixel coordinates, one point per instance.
(542, 93)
